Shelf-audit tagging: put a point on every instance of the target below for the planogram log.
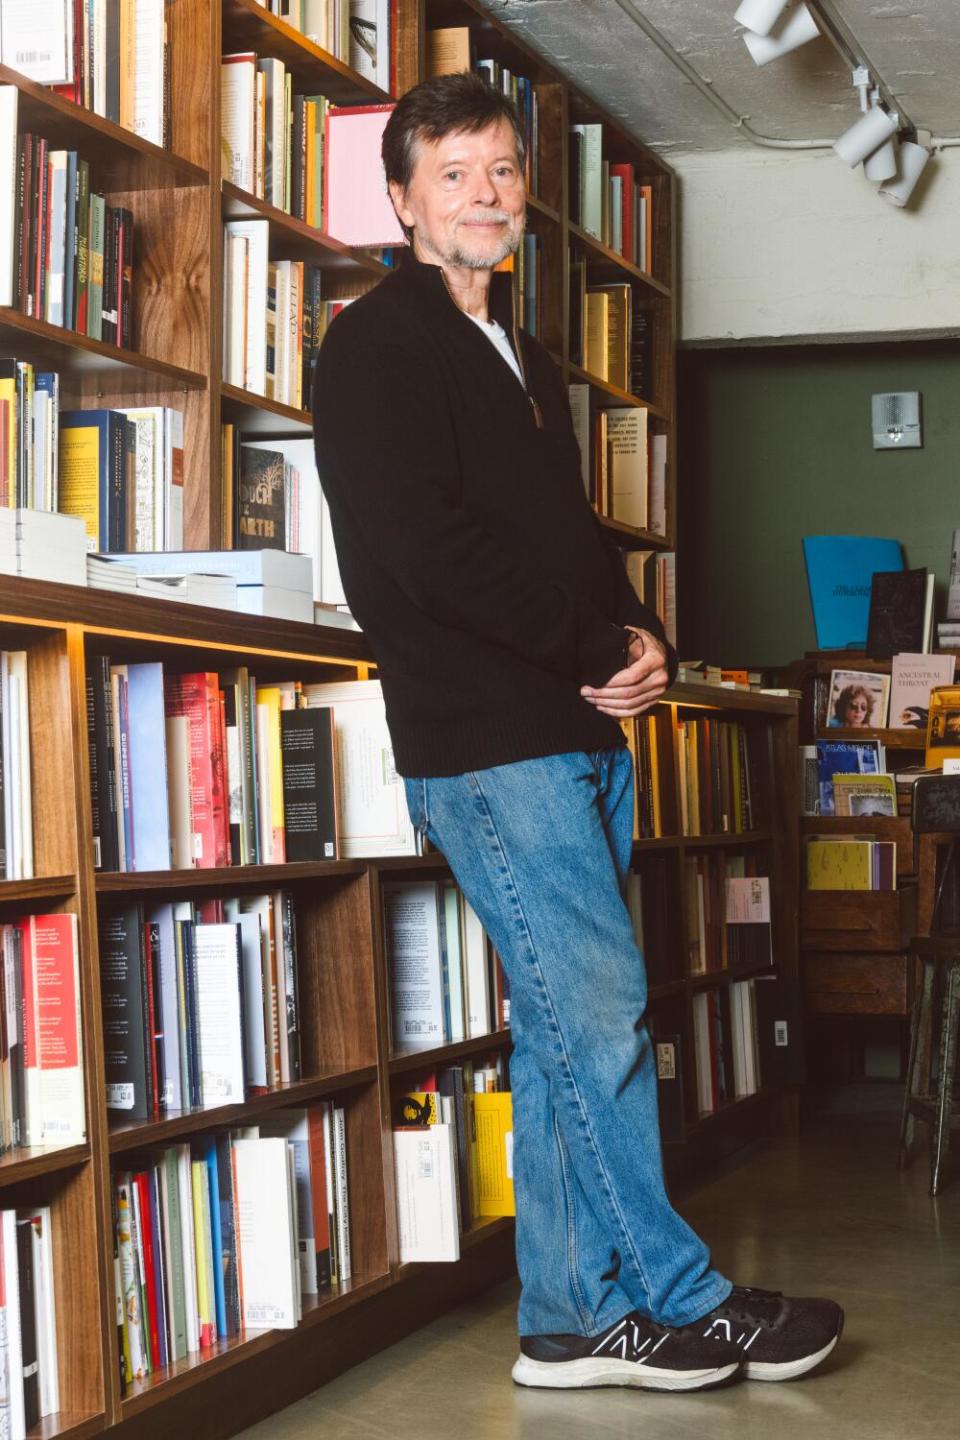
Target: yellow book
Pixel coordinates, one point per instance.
(736, 780)
(629, 728)
(693, 777)
(598, 334)
(681, 759)
(493, 1115)
(203, 1257)
(8, 436)
(655, 776)
(943, 726)
(310, 122)
(839, 865)
(448, 50)
(619, 309)
(79, 466)
(269, 705)
(128, 62)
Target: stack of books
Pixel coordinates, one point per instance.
(207, 769)
(446, 980)
(200, 1003)
(41, 1068)
(83, 59)
(121, 471)
(713, 760)
(272, 139)
(273, 499)
(273, 316)
(608, 200)
(227, 1236)
(71, 253)
(727, 907)
(28, 1319)
(726, 1054)
(623, 462)
(848, 863)
(611, 336)
(29, 425)
(41, 545)
(255, 582)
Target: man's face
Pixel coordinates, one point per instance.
(466, 197)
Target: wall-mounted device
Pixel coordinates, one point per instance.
(896, 421)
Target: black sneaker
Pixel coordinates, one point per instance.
(634, 1352)
(778, 1338)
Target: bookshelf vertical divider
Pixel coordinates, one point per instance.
(179, 201)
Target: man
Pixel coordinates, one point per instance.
(510, 645)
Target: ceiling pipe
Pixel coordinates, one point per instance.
(834, 29)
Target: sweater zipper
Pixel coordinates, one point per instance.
(534, 403)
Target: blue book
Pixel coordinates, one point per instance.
(843, 757)
(216, 1235)
(147, 759)
(840, 570)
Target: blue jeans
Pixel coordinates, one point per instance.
(541, 849)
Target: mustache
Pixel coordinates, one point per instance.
(500, 217)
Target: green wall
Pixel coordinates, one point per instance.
(776, 443)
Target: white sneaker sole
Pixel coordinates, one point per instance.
(594, 1370)
(787, 1369)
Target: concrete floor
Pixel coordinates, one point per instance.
(829, 1214)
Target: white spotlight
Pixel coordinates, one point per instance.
(913, 162)
(882, 164)
(871, 131)
(797, 27)
(760, 16)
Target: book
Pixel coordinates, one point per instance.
(412, 925)
(840, 570)
(851, 864)
(943, 726)
(901, 613)
(856, 795)
(836, 757)
(493, 1117)
(309, 783)
(357, 207)
(448, 50)
(628, 466)
(913, 677)
(858, 698)
(266, 1226)
(426, 1189)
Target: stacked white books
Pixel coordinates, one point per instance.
(102, 574)
(42, 545)
(219, 591)
(268, 582)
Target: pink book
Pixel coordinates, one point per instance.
(356, 207)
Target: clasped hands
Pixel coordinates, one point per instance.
(638, 686)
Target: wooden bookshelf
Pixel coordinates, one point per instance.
(180, 204)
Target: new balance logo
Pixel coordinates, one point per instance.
(723, 1330)
(624, 1341)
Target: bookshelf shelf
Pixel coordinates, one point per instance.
(655, 844)
(248, 26)
(43, 887)
(539, 207)
(224, 878)
(601, 257)
(613, 395)
(126, 372)
(203, 1365)
(727, 840)
(892, 739)
(121, 159)
(256, 415)
(632, 538)
(667, 991)
(718, 979)
(17, 1166)
(137, 1134)
(404, 1061)
(293, 239)
(67, 1425)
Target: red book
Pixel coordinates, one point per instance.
(318, 1193)
(218, 762)
(189, 695)
(147, 1238)
(625, 173)
(40, 225)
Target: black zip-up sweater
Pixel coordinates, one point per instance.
(468, 550)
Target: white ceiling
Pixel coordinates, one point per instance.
(913, 46)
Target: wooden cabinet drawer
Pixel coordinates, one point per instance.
(857, 919)
(856, 984)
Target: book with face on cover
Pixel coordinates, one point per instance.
(913, 677)
(858, 699)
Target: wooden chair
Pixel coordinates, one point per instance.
(929, 1097)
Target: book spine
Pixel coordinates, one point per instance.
(343, 1202)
